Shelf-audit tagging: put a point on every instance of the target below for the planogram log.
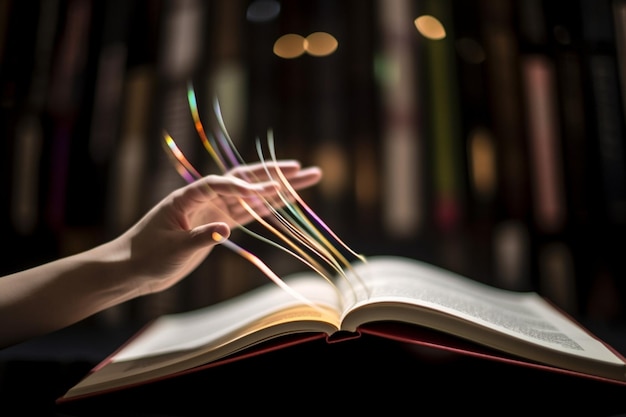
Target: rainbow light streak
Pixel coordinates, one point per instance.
(183, 166)
(193, 106)
(317, 240)
(311, 213)
(225, 140)
(185, 169)
(300, 232)
(297, 214)
(267, 270)
(303, 256)
(236, 159)
(209, 142)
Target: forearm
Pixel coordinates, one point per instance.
(51, 296)
(162, 248)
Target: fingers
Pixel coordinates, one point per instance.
(240, 208)
(231, 188)
(304, 178)
(249, 180)
(283, 171)
(257, 172)
(226, 185)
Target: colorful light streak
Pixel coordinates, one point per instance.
(295, 223)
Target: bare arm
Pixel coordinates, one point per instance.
(157, 252)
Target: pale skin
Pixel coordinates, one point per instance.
(158, 251)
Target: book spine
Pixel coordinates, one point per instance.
(64, 105)
(442, 127)
(29, 138)
(606, 127)
(444, 121)
(402, 143)
(544, 142)
(361, 43)
(619, 17)
(571, 249)
(555, 272)
(610, 134)
(504, 85)
(476, 123)
(511, 241)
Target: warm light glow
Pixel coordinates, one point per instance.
(320, 44)
(483, 162)
(289, 46)
(430, 27)
(366, 176)
(316, 44)
(331, 158)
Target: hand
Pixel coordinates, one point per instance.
(173, 238)
(157, 252)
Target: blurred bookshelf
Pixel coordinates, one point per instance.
(497, 151)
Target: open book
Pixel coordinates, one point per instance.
(383, 292)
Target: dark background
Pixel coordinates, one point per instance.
(399, 123)
(497, 152)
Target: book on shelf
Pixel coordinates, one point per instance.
(396, 298)
(605, 107)
(441, 95)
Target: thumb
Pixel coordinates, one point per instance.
(210, 234)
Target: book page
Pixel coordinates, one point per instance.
(216, 323)
(526, 316)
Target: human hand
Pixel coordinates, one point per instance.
(173, 238)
